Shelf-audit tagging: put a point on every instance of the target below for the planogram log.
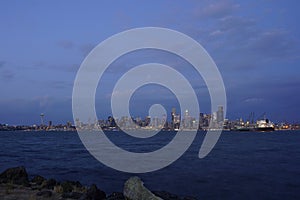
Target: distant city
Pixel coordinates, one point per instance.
(213, 121)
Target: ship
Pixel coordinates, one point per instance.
(264, 125)
(241, 128)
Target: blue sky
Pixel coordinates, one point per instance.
(255, 45)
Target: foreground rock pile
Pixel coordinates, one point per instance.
(15, 185)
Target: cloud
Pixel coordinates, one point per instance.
(85, 49)
(240, 43)
(7, 74)
(59, 84)
(231, 32)
(61, 67)
(72, 67)
(274, 43)
(122, 20)
(236, 23)
(82, 48)
(253, 100)
(38, 64)
(216, 33)
(66, 44)
(217, 9)
(2, 64)
(65, 68)
(43, 101)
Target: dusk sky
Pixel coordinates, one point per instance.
(255, 45)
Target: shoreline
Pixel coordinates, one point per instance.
(186, 130)
(15, 184)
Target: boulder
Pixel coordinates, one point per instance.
(116, 196)
(169, 196)
(16, 175)
(93, 193)
(38, 180)
(134, 189)
(45, 193)
(72, 195)
(69, 186)
(166, 195)
(49, 184)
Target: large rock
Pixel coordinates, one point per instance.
(16, 175)
(93, 193)
(49, 184)
(169, 196)
(70, 186)
(72, 195)
(116, 196)
(45, 193)
(134, 189)
(38, 180)
(166, 195)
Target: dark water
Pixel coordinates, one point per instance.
(241, 166)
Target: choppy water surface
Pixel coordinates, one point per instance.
(241, 166)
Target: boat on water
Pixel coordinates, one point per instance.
(242, 128)
(261, 125)
(264, 125)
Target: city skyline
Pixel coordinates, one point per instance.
(254, 44)
(173, 122)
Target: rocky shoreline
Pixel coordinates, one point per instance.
(15, 185)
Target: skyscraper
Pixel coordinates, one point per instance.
(201, 120)
(187, 123)
(42, 119)
(220, 114)
(173, 114)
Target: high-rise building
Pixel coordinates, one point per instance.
(42, 119)
(201, 120)
(173, 114)
(173, 118)
(147, 121)
(49, 124)
(186, 114)
(111, 122)
(187, 122)
(220, 114)
(78, 124)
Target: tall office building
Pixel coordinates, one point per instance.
(173, 118)
(42, 119)
(49, 124)
(201, 120)
(220, 114)
(187, 123)
(173, 114)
